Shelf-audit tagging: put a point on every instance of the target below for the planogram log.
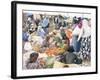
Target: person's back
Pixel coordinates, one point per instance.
(71, 58)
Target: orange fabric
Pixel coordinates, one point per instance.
(68, 33)
(54, 51)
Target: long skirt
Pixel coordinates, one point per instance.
(76, 44)
(85, 49)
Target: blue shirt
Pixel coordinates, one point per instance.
(45, 22)
(25, 36)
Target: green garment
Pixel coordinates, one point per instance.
(58, 40)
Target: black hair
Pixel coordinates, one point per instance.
(76, 20)
(31, 16)
(79, 19)
(34, 54)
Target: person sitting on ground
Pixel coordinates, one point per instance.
(34, 63)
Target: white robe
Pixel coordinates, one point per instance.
(27, 46)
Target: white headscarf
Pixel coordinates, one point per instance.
(84, 23)
(86, 28)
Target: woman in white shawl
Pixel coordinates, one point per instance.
(85, 34)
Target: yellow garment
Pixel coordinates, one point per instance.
(59, 64)
(36, 47)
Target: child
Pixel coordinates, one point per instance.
(34, 62)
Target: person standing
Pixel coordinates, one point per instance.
(75, 34)
(85, 34)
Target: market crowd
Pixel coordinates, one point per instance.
(55, 41)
